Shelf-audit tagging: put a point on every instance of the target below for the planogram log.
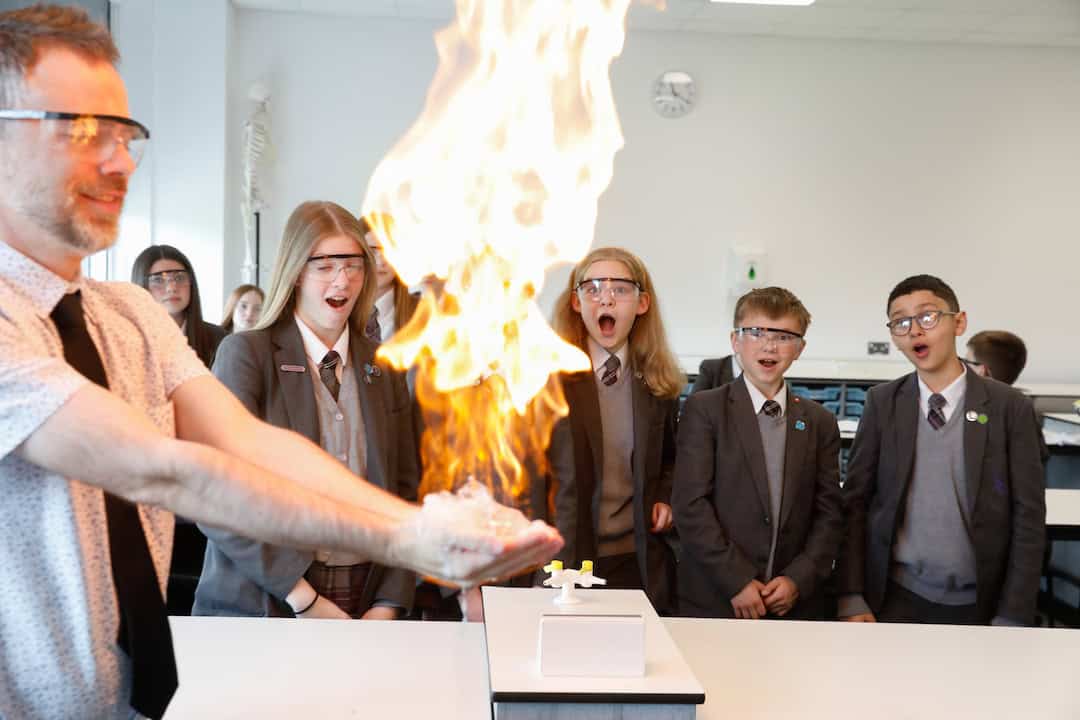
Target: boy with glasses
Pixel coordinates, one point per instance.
(757, 480)
(945, 483)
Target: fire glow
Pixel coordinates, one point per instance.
(497, 181)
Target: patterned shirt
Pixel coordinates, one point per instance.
(58, 611)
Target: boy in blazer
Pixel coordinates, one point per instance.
(945, 487)
(756, 495)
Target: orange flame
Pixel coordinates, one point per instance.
(496, 182)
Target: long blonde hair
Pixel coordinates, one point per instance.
(649, 351)
(309, 223)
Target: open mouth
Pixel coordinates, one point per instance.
(766, 363)
(607, 324)
(921, 350)
(337, 302)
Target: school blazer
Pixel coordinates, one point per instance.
(721, 501)
(249, 578)
(577, 480)
(1005, 489)
(714, 372)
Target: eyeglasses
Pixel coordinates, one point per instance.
(327, 267)
(618, 289)
(764, 336)
(160, 280)
(94, 136)
(927, 320)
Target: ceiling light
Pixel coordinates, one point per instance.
(766, 2)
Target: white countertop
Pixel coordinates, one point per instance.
(854, 671)
(276, 669)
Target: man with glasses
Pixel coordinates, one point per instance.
(945, 486)
(103, 405)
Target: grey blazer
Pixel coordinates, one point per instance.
(1005, 488)
(721, 501)
(248, 578)
(577, 482)
(714, 372)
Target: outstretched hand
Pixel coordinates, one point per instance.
(464, 549)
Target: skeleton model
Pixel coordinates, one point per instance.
(256, 143)
(566, 579)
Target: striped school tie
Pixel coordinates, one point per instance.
(611, 371)
(936, 417)
(328, 372)
(771, 408)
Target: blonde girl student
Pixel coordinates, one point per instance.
(308, 367)
(615, 506)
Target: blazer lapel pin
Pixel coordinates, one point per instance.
(371, 371)
(800, 425)
(971, 416)
(286, 367)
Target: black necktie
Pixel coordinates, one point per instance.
(611, 370)
(144, 625)
(372, 331)
(936, 416)
(771, 408)
(328, 373)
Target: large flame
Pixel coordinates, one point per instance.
(496, 182)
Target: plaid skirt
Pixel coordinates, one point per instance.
(342, 585)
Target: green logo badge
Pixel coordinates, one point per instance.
(983, 419)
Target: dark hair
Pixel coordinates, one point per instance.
(773, 302)
(924, 282)
(24, 33)
(1003, 353)
(199, 335)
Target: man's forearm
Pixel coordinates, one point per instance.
(98, 439)
(201, 413)
(101, 440)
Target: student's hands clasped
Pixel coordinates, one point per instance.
(758, 599)
(748, 604)
(780, 595)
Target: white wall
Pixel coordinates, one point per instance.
(174, 61)
(851, 164)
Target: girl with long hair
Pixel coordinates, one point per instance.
(243, 309)
(168, 275)
(308, 367)
(615, 508)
